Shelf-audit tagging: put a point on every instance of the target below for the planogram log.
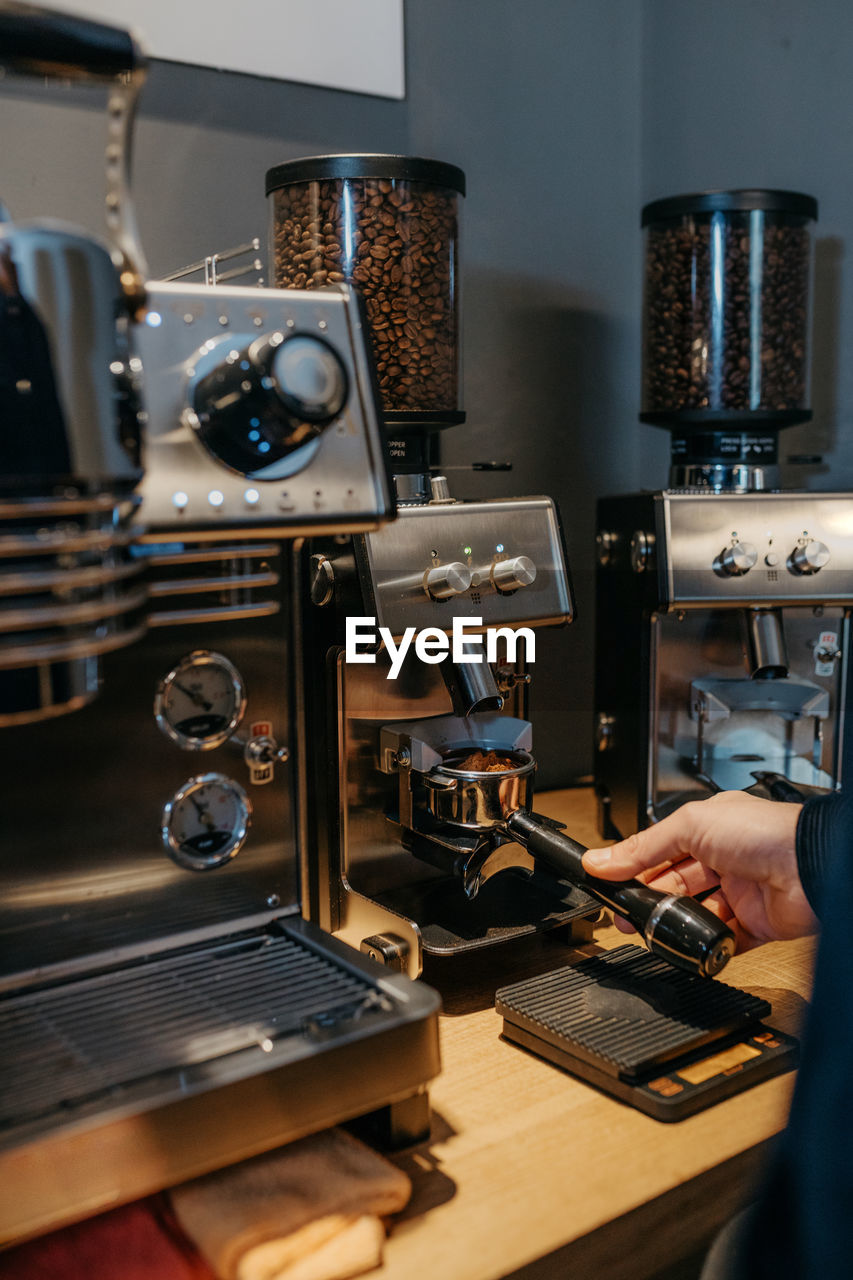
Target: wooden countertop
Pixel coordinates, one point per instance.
(529, 1171)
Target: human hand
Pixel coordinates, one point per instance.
(739, 849)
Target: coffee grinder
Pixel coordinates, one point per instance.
(722, 601)
(424, 843)
(390, 224)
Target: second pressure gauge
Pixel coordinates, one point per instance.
(205, 823)
(201, 701)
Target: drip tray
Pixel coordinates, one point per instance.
(661, 1039)
(132, 1077)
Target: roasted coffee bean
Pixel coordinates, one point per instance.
(725, 317)
(397, 242)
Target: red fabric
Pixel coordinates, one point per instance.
(140, 1241)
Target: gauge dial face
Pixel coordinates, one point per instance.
(201, 701)
(205, 823)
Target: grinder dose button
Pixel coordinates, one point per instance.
(446, 580)
(809, 556)
(510, 575)
(737, 559)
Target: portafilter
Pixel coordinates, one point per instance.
(496, 802)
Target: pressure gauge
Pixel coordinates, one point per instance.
(205, 823)
(201, 701)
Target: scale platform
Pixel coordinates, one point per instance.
(667, 1042)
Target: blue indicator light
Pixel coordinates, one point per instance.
(153, 319)
(499, 546)
(254, 435)
(264, 446)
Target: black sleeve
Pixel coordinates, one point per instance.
(821, 829)
(802, 1225)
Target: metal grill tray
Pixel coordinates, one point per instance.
(626, 1012)
(160, 1028)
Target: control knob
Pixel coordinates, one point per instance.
(262, 402)
(809, 557)
(738, 559)
(447, 580)
(509, 575)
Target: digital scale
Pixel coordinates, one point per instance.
(665, 1041)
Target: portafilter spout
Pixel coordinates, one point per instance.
(766, 650)
(678, 929)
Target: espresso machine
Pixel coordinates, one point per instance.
(165, 1006)
(722, 601)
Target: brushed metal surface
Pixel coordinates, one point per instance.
(337, 482)
(698, 528)
(478, 535)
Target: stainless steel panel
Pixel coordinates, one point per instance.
(477, 535)
(337, 482)
(711, 644)
(84, 870)
(695, 529)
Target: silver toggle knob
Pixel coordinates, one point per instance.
(440, 491)
(447, 580)
(642, 548)
(809, 557)
(738, 559)
(262, 754)
(507, 678)
(509, 575)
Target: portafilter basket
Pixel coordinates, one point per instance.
(678, 929)
(479, 799)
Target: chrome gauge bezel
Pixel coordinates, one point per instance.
(190, 662)
(174, 808)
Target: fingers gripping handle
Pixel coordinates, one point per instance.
(679, 930)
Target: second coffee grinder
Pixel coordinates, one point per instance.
(723, 602)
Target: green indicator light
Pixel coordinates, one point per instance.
(467, 551)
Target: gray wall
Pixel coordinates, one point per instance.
(758, 93)
(566, 117)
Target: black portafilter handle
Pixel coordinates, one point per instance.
(41, 41)
(678, 929)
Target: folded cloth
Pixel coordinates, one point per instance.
(139, 1241)
(308, 1211)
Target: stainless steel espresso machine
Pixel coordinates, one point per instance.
(723, 602)
(165, 1008)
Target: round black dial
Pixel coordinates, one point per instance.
(261, 402)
